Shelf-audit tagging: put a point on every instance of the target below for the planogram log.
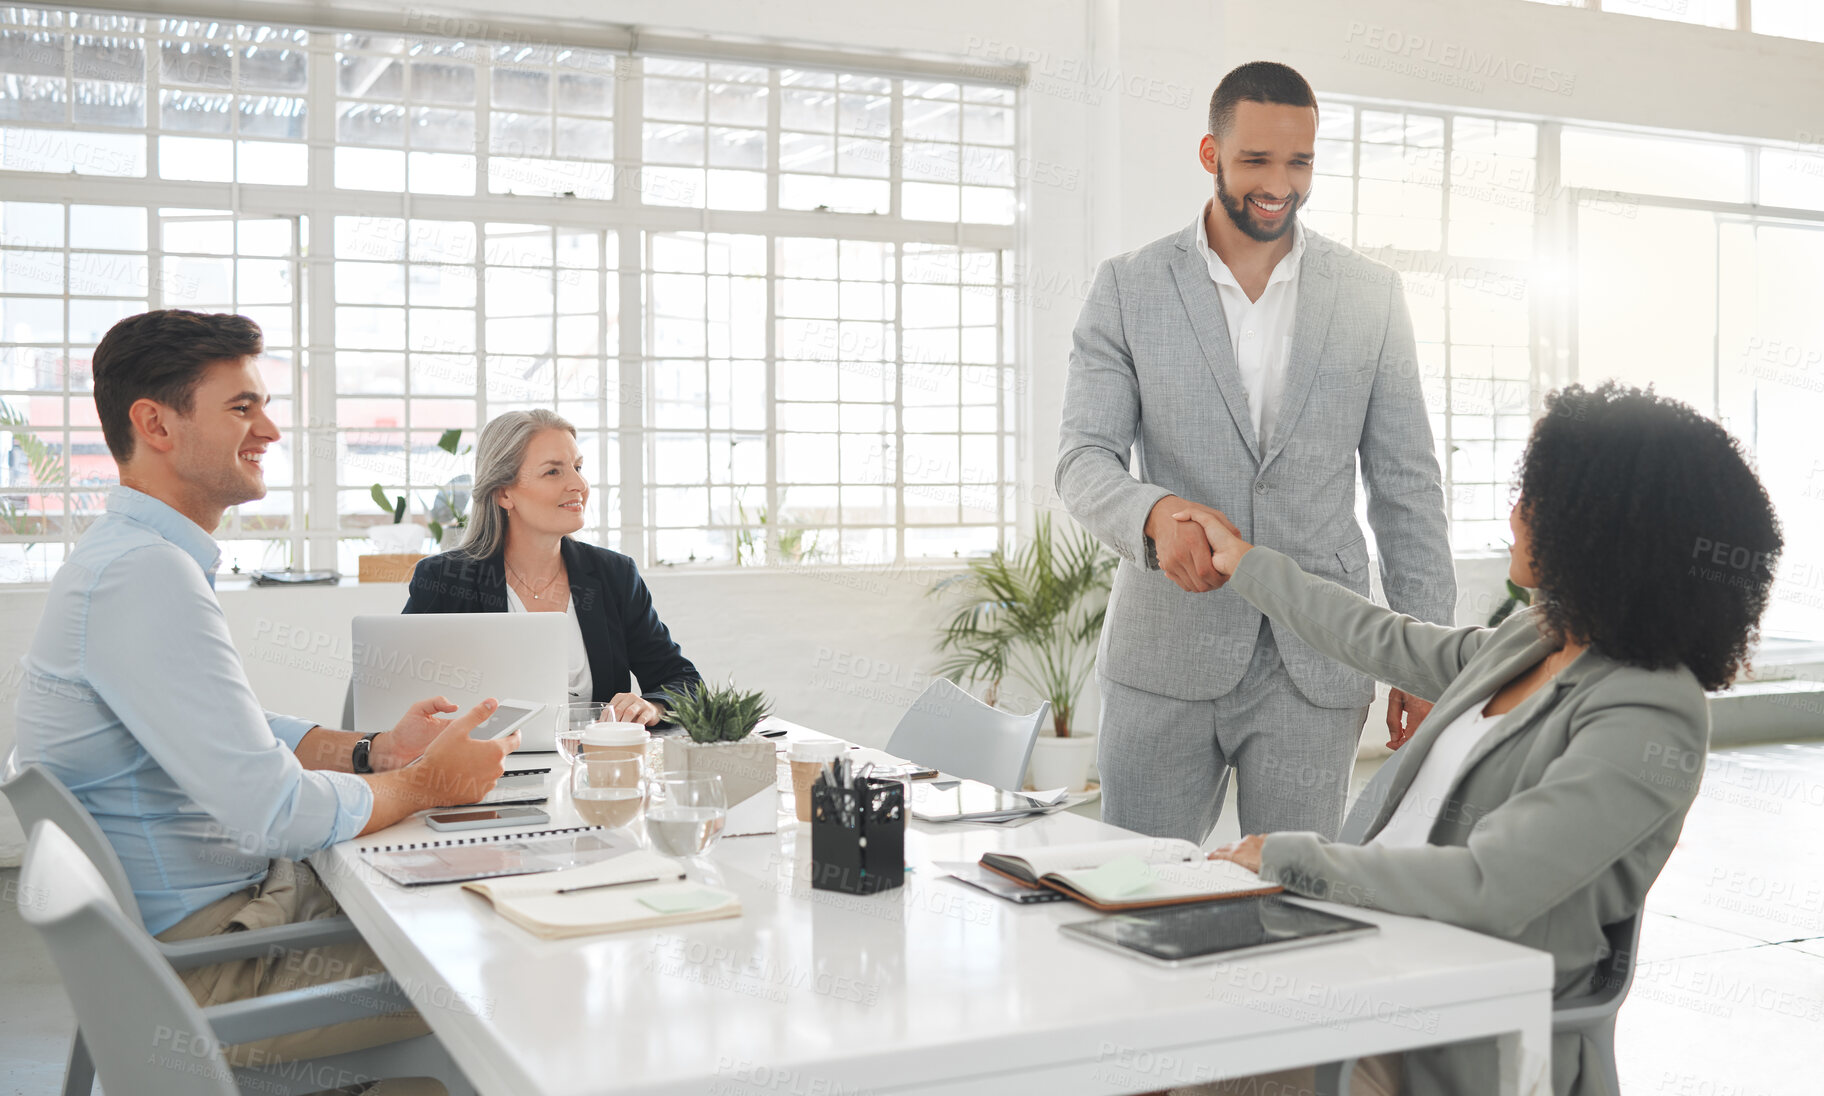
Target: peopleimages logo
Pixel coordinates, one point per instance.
(1075, 72)
(1417, 48)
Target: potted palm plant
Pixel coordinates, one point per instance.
(1034, 614)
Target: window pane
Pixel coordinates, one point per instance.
(1654, 165)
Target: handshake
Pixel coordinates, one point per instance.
(1198, 547)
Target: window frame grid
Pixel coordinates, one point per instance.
(318, 534)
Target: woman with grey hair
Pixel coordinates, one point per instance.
(518, 555)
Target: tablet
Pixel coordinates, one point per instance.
(1205, 932)
(509, 717)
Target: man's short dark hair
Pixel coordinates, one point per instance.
(161, 356)
(1257, 82)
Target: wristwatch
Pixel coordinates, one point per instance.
(359, 761)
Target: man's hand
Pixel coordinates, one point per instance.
(1400, 703)
(415, 730)
(454, 769)
(1245, 852)
(634, 708)
(1183, 551)
(1224, 539)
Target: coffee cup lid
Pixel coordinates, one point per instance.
(615, 734)
(815, 749)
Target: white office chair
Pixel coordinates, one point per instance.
(1592, 1014)
(37, 796)
(146, 1034)
(949, 730)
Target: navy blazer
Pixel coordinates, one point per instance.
(621, 632)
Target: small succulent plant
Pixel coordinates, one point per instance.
(712, 713)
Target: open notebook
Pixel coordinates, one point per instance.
(1129, 874)
(636, 891)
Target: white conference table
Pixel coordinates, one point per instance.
(932, 987)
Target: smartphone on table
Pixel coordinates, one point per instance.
(487, 817)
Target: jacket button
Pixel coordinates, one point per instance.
(1260, 487)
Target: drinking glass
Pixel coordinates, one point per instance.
(687, 814)
(609, 791)
(570, 733)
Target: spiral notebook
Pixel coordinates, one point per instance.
(460, 859)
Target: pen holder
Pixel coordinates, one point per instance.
(858, 840)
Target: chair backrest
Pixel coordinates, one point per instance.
(37, 796)
(1609, 986)
(142, 1028)
(949, 730)
(1368, 803)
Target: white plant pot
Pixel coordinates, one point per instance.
(398, 539)
(749, 769)
(1061, 762)
(452, 536)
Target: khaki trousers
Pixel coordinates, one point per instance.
(291, 893)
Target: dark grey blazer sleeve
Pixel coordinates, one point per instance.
(1597, 799)
(1593, 805)
(1101, 416)
(1401, 475)
(1408, 654)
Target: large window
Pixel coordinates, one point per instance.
(1451, 202)
(771, 298)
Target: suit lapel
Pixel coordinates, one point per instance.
(1211, 324)
(590, 594)
(1471, 689)
(1310, 323)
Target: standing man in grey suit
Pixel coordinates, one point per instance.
(1244, 363)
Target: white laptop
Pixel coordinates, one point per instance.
(403, 658)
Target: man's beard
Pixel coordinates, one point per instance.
(1238, 211)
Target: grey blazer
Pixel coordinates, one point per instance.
(1153, 372)
(1556, 824)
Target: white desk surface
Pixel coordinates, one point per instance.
(932, 987)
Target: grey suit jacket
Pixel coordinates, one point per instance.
(1556, 824)
(1153, 372)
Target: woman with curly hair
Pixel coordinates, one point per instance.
(1543, 794)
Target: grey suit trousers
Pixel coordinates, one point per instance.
(1165, 762)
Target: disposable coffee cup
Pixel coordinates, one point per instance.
(807, 759)
(614, 739)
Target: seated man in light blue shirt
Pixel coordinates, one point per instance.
(136, 700)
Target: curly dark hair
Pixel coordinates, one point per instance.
(1652, 539)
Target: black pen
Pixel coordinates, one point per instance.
(617, 883)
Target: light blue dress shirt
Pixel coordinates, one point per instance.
(136, 700)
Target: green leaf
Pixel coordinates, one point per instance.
(437, 532)
(399, 511)
(378, 494)
(450, 440)
(710, 713)
(1519, 593)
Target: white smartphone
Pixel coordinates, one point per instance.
(482, 819)
(509, 717)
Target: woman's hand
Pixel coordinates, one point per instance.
(1245, 852)
(1226, 545)
(634, 708)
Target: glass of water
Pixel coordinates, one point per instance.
(687, 814)
(577, 717)
(609, 791)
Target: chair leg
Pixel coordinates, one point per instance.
(1333, 1078)
(79, 1075)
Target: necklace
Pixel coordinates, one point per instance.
(527, 586)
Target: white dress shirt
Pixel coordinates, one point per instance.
(1418, 810)
(1260, 331)
(582, 682)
